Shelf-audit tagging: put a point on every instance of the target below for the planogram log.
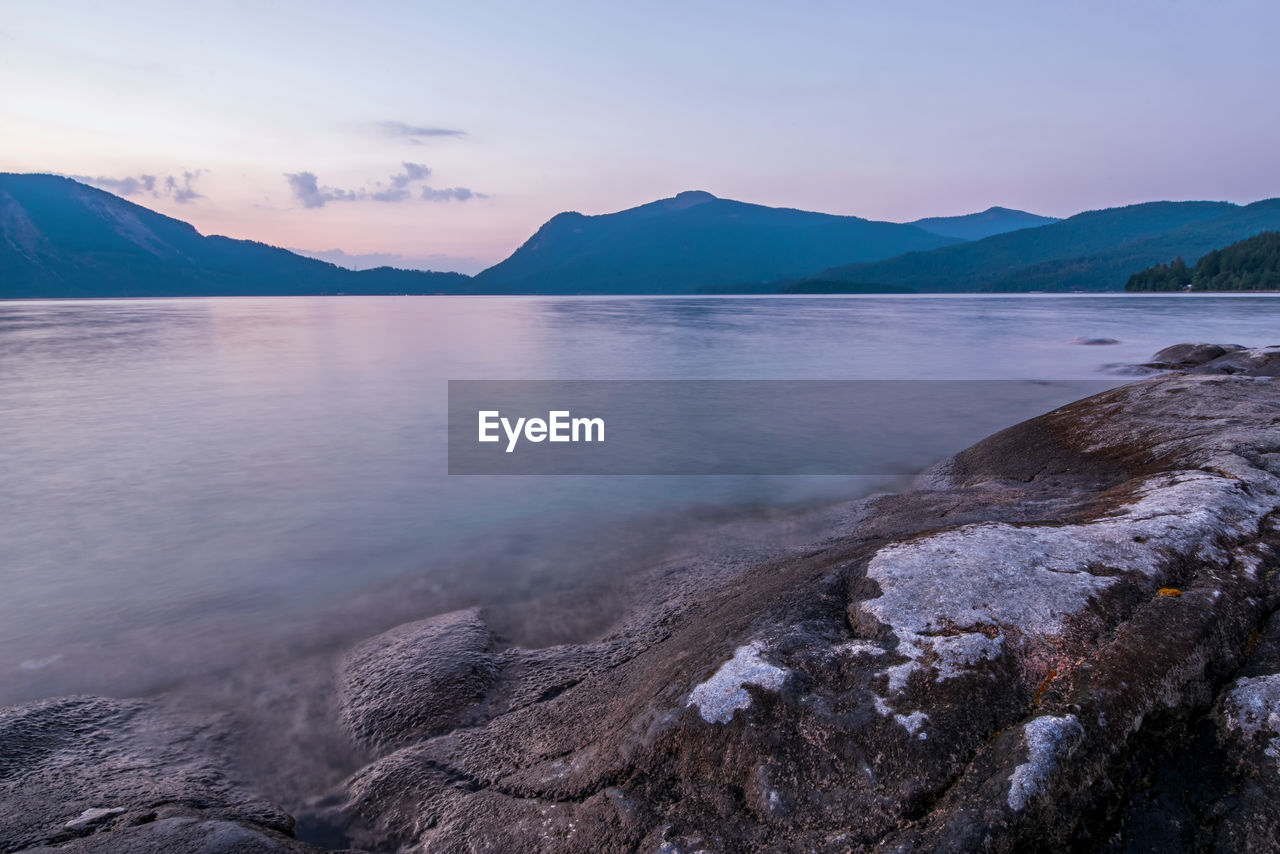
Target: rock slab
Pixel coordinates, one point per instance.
(998, 663)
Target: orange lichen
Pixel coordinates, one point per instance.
(1044, 686)
(1167, 592)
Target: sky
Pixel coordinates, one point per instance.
(442, 135)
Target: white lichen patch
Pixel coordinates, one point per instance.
(724, 693)
(950, 597)
(899, 673)
(1249, 561)
(1252, 708)
(1049, 740)
(953, 655)
(957, 654)
(913, 722)
(858, 647)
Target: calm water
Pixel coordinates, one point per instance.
(187, 479)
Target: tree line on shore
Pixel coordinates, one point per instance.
(1252, 264)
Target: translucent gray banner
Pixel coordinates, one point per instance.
(747, 427)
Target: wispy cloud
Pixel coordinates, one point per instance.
(182, 192)
(306, 189)
(398, 190)
(365, 261)
(416, 133)
(178, 188)
(399, 187)
(449, 194)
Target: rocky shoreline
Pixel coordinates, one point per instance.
(1067, 641)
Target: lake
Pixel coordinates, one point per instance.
(188, 482)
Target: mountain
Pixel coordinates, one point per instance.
(61, 238)
(694, 240)
(976, 226)
(1092, 251)
(1252, 264)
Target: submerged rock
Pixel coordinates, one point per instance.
(1255, 362)
(1192, 355)
(1210, 359)
(92, 774)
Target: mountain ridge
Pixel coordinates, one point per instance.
(1090, 251)
(975, 226)
(688, 241)
(63, 238)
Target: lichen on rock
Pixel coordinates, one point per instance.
(1047, 739)
(725, 692)
(1252, 707)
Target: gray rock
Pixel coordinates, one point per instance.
(1209, 359)
(185, 835)
(986, 665)
(417, 680)
(1247, 719)
(1216, 789)
(1256, 362)
(92, 774)
(1192, 355)
(91, 817)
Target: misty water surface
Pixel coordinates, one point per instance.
(184, 480)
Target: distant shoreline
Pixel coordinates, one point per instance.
(957, 295)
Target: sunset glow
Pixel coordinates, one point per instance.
(508, 113)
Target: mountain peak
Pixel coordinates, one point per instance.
(689, 241)
(975, 226)
(688, 199)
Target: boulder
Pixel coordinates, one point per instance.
(93, 774)
(1209, 359)
(416, 680)
(1255, 362)
(1192, 355)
